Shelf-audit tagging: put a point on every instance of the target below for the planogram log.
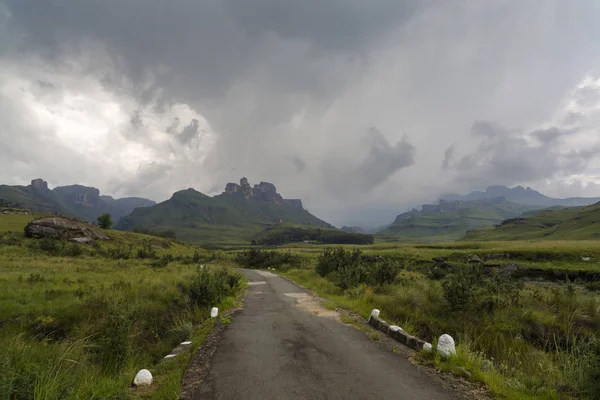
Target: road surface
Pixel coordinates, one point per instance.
(284, 345)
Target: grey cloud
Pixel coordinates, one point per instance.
(504, 157)
(190, 132)
(330, 25)
(549, 135)
(299, 164)
(384, 159)
(306, 78)
(448, 157)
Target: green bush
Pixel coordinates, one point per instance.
(257, 258)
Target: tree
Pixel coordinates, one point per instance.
(105, 221)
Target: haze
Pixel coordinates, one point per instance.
(360, 108)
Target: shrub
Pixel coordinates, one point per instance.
(208, 288)
(333, 260)
(257, 258)
(105, 221)
(146, 251)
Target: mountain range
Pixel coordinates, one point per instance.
(522, 195)
(244, 212)
(234, 216)
(76, 200)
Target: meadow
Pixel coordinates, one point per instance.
(521, 337)
(79, 321)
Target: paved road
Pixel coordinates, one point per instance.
(277, 348)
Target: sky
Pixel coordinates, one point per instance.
(360, 108)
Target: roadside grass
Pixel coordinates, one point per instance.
(523, 340)
(79, 321)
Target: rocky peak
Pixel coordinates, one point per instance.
(264, 191)
(39, 184)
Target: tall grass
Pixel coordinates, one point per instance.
(524, 340)
(80, 325)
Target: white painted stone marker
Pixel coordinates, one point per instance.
(214, 312)
(375, 313)
(395, 328)
(427, 347)
(143, 378)
(446, 346)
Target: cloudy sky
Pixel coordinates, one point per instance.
(361, 108)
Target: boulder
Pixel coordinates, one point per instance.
(143, 378)
(446, 346)
(63, 228)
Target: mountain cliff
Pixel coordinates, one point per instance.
(76, 200)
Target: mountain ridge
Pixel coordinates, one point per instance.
(76, 200)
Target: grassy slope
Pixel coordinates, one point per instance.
(450, 225)
(199, 218)
(565, 224)
(62, 317)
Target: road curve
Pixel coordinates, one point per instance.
(282, 345)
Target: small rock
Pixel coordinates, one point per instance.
(585, 258)
(375, 313)
(427, 347)
(214, 312)
(474, 259)
(143, 378)
(446, 346)
(395, 328)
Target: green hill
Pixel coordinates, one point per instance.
(577, 223)
(234, 216)
(76, 200)
(450, 220)
(289, 233)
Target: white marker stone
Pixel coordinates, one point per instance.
(375, 313)
(446, 346)
(428, 347)
(214, 312)
(186, 343)
(395, 328)
(143, 378)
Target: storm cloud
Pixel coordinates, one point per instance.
(148, 97)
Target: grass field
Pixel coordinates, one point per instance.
(78, 322)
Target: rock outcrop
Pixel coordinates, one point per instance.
(264, 191)
(63, 228)
(39, 184)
